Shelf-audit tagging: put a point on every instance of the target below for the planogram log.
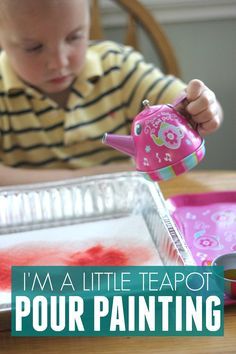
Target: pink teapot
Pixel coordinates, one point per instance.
(162, 142)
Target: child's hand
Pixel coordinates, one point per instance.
(203, 107)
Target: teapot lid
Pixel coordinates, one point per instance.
(148, 110)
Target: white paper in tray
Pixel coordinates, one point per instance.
(121, 241)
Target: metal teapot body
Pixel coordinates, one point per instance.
(162, 142)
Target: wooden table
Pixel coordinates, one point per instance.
(189, 183)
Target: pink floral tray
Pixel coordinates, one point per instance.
(207, 221)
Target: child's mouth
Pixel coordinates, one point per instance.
(60, 79)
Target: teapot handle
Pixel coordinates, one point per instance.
(182, 99)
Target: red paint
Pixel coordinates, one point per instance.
(98, 255)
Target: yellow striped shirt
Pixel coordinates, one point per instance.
(36, 133)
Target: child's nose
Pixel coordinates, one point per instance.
(57, 60)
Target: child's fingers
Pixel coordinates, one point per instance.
(202, 103)
(194, 89)
(205, 115)
(209, 126)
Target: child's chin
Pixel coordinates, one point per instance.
(58, 85)
(56, 88)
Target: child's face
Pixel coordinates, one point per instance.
(45, 40)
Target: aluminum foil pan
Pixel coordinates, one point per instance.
(88, 199)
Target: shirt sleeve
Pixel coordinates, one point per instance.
(142, 80)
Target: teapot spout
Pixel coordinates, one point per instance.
(123, 143)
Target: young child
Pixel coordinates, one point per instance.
(59, 93)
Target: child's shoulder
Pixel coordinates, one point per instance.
(103, 48)
(113, 53)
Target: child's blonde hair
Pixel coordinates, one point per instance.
(6, 5)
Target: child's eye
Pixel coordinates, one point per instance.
(75, 37)
(35, 48)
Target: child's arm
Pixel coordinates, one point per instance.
(13, 176)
